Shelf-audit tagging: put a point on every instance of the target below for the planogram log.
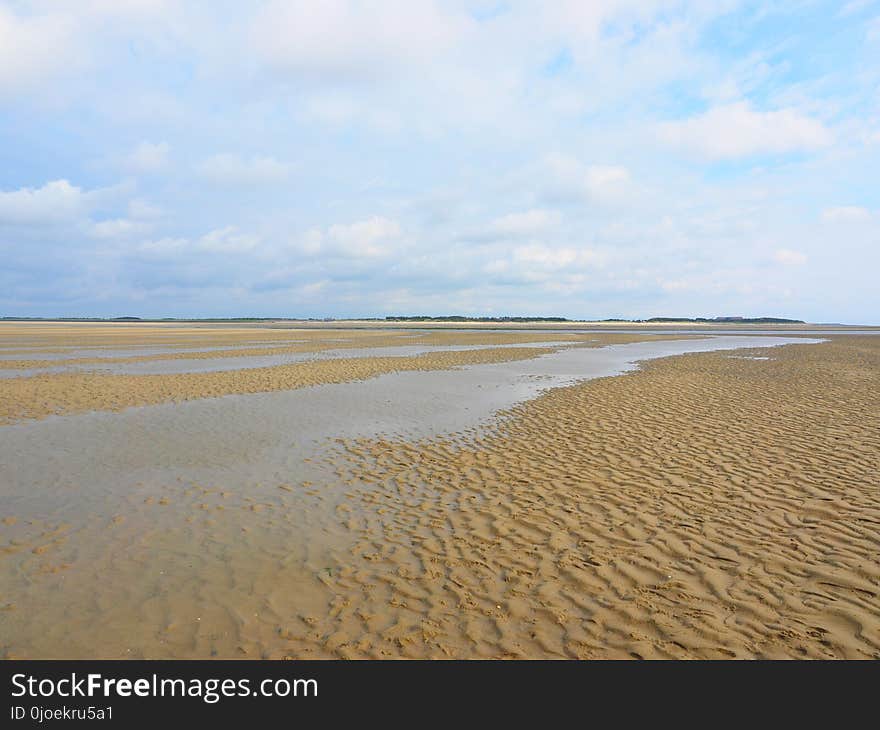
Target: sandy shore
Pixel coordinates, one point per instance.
(715, 505)
(707, 506)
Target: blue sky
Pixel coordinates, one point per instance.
(625, 158)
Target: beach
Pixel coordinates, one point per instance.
(384, 492)
(705, 506)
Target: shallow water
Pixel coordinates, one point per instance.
(221, 432)
(249, 362)
(200, 528)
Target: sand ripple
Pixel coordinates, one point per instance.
(708, 505)
(703, 507)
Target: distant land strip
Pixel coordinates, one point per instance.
(417, 318)
(456, 318)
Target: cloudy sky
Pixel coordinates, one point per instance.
(623, 158)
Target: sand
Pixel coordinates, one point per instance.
(708, 505)
(703, 507)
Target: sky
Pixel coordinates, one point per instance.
(624, 158)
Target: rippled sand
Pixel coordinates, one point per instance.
(707, 505)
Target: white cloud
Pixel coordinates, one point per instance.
(571, 180)
(528, 223)
(148, 157)
(550, 258)
(143, 209)
(736, 130)
(137, 9)
(311, 242)
(228, 240)
(855, 6)
(497, 266)
(32, 48)
(846, 214)
(54, 202)
(603, 176)
(342, 40)
(229, 169)
(164, 246)
(371, 238)
(117, 228)
(607, 183)
(788, 257)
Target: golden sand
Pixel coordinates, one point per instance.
(61, 335)
(25, 336)
(706, 506)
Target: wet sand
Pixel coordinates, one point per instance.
(62, 391)
(479, 503)
(706, 506)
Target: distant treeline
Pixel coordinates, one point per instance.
(160, 319)
(735, 320)
(456, 318)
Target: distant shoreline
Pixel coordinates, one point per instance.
(659, 325)
(429, 319)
